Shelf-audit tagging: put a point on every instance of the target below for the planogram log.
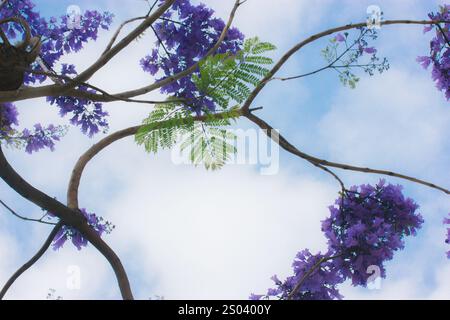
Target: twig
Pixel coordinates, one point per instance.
(32, 261)
(25, 218)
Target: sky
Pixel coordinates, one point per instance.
(186, 233)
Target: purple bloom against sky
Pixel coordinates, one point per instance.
(41, 137)
(319, 281)
(367, 226)
(57, 40)
(182, 43)
(439, 51)
(340, 37)
(364, 229)
(8, 118)
(99, 225)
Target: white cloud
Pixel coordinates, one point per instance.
(215, 235)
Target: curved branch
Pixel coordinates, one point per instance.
(58, 90)
(116, 34)
(68, 216)
(315, 37)
(74, 183)
(32, 261)
(286, 145)
(111, 53)
(25, 26)
(26, 93)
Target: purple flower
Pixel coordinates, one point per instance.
(192, 32)
(439, 51)
(41, 137)
(447, 221)
(68, 233)
(365, 227)
(370, 50)
(8, 118)
(318, 280)
(424, 61)
(59, 40)
(340, 37)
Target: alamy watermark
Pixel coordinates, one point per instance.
(374, 280)
(245, 147)
(73, 280)
(374, 17)
(73, 17)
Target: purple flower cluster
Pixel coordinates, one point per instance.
(32, 140)
(41, 137)
(362, 44)
(349, 54)
(8, 118)
(89, 115)
(439, 51)
(366, 226)
(447, 222)
(185, 34)
(68, 233)
(59, 39)
(317, 275)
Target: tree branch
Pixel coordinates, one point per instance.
(32, 261)
(26, 93)
(14, 213)
(286, 145)
(68, 217)
(315, 37)
(111, 53)
(74, 183)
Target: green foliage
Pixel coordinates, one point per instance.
(209, 145)
(204, 141)
(225, 78)
(162, 127)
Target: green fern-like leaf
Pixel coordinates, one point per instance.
(161, 128)
(209, 146)
(226, 78)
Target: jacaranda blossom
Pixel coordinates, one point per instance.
(68, 233)
(367, 224)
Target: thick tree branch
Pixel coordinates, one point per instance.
(26, 93)
(58, 90)
(68, 216)
(32, 261)
(61, 90)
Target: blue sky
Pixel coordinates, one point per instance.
(246, 227)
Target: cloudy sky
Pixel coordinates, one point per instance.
(183, 232)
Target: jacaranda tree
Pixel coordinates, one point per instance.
(211, 74)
